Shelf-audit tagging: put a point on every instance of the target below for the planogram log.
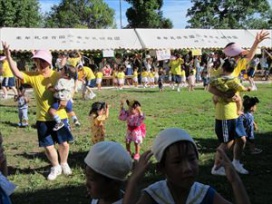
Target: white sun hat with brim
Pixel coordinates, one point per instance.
(166, 138)
(44, 55)
(109, 159)
(233, 50)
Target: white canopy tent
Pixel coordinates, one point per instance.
(70, 39)
(110, 39)
(197, 38)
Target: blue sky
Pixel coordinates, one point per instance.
(175, 10)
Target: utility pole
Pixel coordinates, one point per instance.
(120, 5)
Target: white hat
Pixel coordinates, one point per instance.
(167, 137)
(109, 159)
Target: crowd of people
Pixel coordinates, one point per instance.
(108, 163)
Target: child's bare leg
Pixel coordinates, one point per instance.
(128, 147)
(215, 99)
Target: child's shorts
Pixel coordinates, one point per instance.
(48, 137)
(98, 81)
(121, 81)
(91, 83)
(8, 82)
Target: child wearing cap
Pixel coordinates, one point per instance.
(135, 125)
(23, 101)
(99, 113)
(108, 165)
(177, 157)
(250, 106)
(63, 93)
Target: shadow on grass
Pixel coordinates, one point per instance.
(9, 123)
(68, 195)
(76, 159)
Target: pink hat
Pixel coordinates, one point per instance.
(43, 54)
(2, 58)
(233, 50)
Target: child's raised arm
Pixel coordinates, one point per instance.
(132, 193)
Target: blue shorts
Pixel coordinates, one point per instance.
(8, 82)
(228, 130)
(68, 107)
(178, 79)
(91, 83)
(251, 72)
(48, 137)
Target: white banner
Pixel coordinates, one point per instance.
(163, 54)
(108, 53)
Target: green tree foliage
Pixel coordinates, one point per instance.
(18, 13)
(80, 14)
(231, 14)
(146, 14)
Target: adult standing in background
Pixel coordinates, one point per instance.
(40, 80)
(8, 77)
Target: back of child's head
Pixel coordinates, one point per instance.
(168, 137)
(109, 159)
(135, 68)
(133, 103)
(121, 68)
(229, 65)
(97, 106)
(70, 71)
(249, 102)
(74, 54)
(22, 89)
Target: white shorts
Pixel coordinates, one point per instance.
(121, 81)
(98, 81)
(135, 79)
(144, 79)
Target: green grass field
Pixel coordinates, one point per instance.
(192, 111)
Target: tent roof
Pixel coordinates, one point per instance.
(104, 39)
(197, 38)
(70, 39)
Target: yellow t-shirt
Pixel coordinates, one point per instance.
(121, 75)
(88, 72)
(44, 97)
(6, 69)
(135, 74)
(176, 66)
(99, 75)
(241, 65)
(144, 74)
(73, 61)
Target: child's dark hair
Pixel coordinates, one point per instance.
(21, 88)
(97, 106)
(229, 65)
(133, 103)
(70, 71)
(249, 102)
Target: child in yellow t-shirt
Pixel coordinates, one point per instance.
(135, 77)
(121, 77)
(227, 82)
(145, 77)
(99, 77)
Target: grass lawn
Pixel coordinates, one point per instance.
(192, 111)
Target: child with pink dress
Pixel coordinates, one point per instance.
(136, 130)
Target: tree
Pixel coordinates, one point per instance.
(16, 13)
(231, 14)
(80, 14)
(147, 14)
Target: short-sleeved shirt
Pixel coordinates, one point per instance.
(44, 97)
(99, 75)
(6, 69)
(121, 75)
(87, 72)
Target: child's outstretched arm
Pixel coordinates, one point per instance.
(132, 193)
(239, 191)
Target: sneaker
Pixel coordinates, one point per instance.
(136, 156)
(77, 123)
(219, 172)
(66, 170)
(58, 126)
(19, 124)
(239, 168)
(256, 151)
(54, 172)
(92, 95)
(24, 124)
